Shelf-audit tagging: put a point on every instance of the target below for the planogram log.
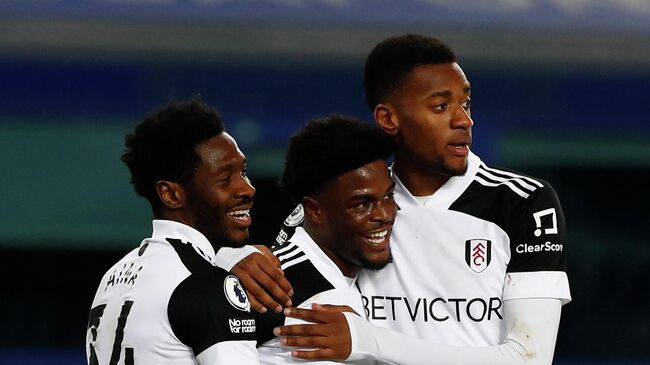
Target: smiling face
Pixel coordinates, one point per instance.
(220, 196)
(358, 214)
(429, 114)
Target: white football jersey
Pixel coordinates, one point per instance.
(166, 303)
(485, 237)
(315, 278)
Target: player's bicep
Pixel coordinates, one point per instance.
(203, 313)
(537, 233)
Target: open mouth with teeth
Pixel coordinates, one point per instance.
(241, 216)
(460, 149)
(377, 239)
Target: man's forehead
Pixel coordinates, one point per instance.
(219, 148)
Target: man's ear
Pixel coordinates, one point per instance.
(171, 194)
(313, 210)
(386, 119)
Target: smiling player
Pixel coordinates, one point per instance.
(336, 168)
(166, 302)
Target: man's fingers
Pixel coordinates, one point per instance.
(304, 341)
(256, 292)
(321, 354)
(276, 284)
(267, 276)
(332, 308)
(271, 287)
(301, 330)
(256, 306)
(311, 315)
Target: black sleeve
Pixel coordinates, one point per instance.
(205, 310)
(537, 234)
(306, 281)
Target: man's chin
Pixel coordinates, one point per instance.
(376, 265)
(451, 170)
(233, 239)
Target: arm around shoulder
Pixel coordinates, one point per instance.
(532, 326)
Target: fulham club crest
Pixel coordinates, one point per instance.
(478, 253)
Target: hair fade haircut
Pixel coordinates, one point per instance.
(163, 145)
(392, 60)
(328, 147)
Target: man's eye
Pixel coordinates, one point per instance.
(361, 206)
(467, 105)
(440, 107)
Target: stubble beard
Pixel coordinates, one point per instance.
(441, 167)
(374, 265)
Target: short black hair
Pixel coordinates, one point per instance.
(328, 147)
(391, 61)
(163, 145)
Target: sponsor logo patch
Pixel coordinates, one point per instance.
(238, 325)
(296, 217)
(545, 222)
(235, 294)
(478, 254)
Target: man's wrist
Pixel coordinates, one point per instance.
(227, 257)
(362, 337)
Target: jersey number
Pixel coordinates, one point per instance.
(93, 322)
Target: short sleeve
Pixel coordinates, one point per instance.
(538, 248)
(538, 235)
(208, 308)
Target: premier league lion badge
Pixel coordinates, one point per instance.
(235, 294)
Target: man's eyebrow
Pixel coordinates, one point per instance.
(444, 94)
(448, 93)
(224, 167)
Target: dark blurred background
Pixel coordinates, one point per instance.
(559, 89)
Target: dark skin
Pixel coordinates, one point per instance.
(217, 199)
(341, 218)
(213, 203)
(430, 119)
(351, 218)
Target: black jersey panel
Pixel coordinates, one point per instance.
(538, 234)
(496, 204)
(534, 223)
(266, 322)
(199, 312)
(306, 281)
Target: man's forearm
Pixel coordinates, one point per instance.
(532, 326)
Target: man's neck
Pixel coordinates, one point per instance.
(348, 269)
(417, 181)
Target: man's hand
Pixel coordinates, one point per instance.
(264, 281)
(330, 334)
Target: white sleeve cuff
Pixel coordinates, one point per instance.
(537, 284)
(227, 257)
(363, 342)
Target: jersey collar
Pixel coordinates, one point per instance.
(163, 229)
(448, 192)
(320, 260)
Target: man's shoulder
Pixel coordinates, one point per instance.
(499, 195)
(299, 269)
